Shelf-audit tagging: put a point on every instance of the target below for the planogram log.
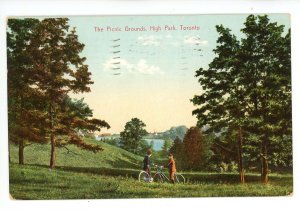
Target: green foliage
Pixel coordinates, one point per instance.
(75, 119)
(132, 136)
(193, 148)
(111, 141)
(36, 182)
(44, 65)
(73, 156)
(143, 147)
(208, 154)
(173, 132)
(194, 151)
(247, 93)
(178, 152)
(151, 144)
(25, 104)
(166, 147)
(113, 174)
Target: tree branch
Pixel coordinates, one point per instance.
(224, 148)
(68, 150)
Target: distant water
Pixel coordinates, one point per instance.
(158, 143)
(99, 138)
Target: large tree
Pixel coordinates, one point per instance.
(25, 104)
(221, 105)
(59, 70)
(45, 64)
(247, 91)
(193, 148)
(266, 75)
(132, 136)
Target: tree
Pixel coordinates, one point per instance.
(221, 104)
(193, 147)
(208, 155)
(173, 132)
(44, 55)
(151, 146)
(75, 118)
(25, 104)
(166, 147)
(143, 147)
(247, 90)
(178, 152)
(59, 70)
(269, 93)
(131, 137)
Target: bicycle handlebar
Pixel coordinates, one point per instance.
(159, 167)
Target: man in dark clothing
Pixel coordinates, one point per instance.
(147, 162)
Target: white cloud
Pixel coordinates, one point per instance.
(141, 66)
(150, 40)
(144, 68)
(113, 63)
(194, 40)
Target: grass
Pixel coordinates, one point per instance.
(36, 182)
(113, 173)
(110, 157)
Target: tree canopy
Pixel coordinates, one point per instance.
(44, 66)
(247, 92)
(132, 136)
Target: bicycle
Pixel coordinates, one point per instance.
(159, 176)
(144, 177)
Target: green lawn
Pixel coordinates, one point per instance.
(110, 157)
(36, 182)
(113, 173)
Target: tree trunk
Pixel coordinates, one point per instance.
(264, 163)
(264, 153)
(21, 152)
(21, 141)
(240, 156)
(53, 141)
(53, 151)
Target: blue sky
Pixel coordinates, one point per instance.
(152, 77)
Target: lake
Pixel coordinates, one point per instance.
(158, 143)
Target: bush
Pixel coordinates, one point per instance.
(233, 166)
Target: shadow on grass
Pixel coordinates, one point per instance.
(233, 178)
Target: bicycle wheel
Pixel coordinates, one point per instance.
(143, 176)
(179, 178)
(158, 178)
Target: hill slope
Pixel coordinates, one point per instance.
(110, 157)
(36, 182)
(113, 173)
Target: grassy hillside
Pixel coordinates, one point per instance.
(36, 182)
(112, 173)
(110, 157)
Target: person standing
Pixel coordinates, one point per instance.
(172, 168)
(147, 163)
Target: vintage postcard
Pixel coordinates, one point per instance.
(161, 106)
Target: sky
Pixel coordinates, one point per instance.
(150, 74)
